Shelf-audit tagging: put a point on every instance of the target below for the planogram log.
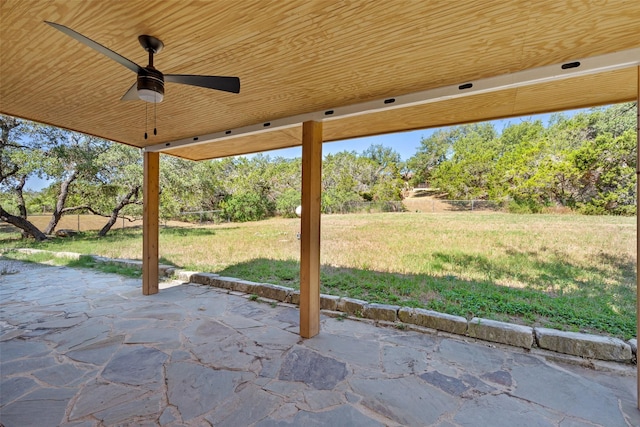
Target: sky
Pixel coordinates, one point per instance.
(405, 143)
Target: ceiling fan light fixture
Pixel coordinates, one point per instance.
(150, 95)
(150, 84)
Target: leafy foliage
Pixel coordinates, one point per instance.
(586, 163)
(242, 207)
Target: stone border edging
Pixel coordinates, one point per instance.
(572, 343)
(576, 344)
(163, 269)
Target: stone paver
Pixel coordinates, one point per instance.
(567, 393)
(591, 346)
(38, 408)
(80, 348)
(512, 412)
(501, 332)
(313, 369)
(135, 365)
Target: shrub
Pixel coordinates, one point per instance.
(287, 203)
(523, 207)
(243, 207)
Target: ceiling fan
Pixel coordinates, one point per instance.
(150, 83)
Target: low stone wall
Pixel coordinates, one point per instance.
(434, 320)
(163, 269)
(576, 344)
(69, 255)
(583, 345)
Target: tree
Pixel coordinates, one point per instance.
(615, 120)
(285, 177)
(522, 155)
(387, 178)
(115, 187)
(465, 173)
(607, 168)
(72, 156)
(345, 179)
(598, 160)
(387, 159)
(585, 162)
(245, 206)
(211, 180)
(83, 169)
(287, 202)
(432, 152)
(15, 150)
(179, 187)
(525, 132)
(247, 187)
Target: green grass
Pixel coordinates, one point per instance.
(85, 261)
(574, 311)
(568, 272)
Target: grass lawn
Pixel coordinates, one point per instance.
(562, 271)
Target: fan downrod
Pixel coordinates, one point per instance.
(150, 43)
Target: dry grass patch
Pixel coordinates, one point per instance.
(565, 271)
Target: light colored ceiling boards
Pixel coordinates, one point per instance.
(297, 57)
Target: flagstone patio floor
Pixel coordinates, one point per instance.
(82, 348)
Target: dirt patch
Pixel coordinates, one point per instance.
(433, 202)
(426, 204)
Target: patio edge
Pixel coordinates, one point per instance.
(586, 346)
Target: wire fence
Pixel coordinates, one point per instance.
(216, 216)
(85, 222)
(82, 222)
(433, 205)
(465, 205)
(364, 207)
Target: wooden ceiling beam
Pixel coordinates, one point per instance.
(570, 69)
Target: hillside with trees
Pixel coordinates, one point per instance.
(585, 163)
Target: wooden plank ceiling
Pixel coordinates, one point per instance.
(300, 56)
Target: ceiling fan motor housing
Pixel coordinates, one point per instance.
(150, 85)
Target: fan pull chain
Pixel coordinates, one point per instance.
(155, 115)
(146, 113)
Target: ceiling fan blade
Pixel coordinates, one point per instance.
(227, 84)
(96, 46)
(131, 94)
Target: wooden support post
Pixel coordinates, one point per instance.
(150, 231)
(638, 230)
(310, 229)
